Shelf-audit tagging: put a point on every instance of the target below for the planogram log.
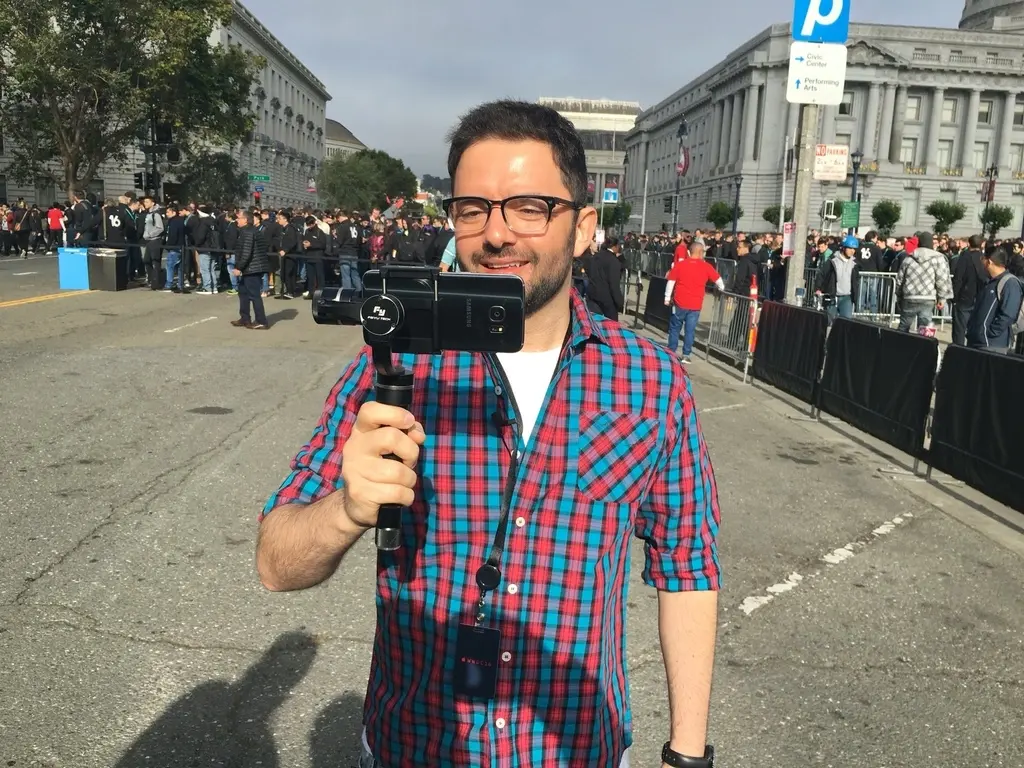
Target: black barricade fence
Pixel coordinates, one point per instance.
(880, 381)
(978, 423)
(655, 311)
(790, 348)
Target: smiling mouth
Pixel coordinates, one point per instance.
(505, 265)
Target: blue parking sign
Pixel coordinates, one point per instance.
(821, 21)
(611, 195)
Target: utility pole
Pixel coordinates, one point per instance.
(802, 203)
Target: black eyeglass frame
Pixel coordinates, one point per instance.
(552, 203)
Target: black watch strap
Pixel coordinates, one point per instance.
(670, 757)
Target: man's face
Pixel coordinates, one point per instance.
(849, 252)
(495, 170)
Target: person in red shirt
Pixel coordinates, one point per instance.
(682, 249)
(687, 281)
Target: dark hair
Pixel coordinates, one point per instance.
(974, 242)
(999, 257)
(522, 121)
(611, 242)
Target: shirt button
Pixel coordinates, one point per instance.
(520, 522)
(497, 391)
(506, 656)
(512, 589)
(500, 722)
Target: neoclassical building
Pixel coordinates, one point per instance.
(930, 109)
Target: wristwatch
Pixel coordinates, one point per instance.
(670, 757)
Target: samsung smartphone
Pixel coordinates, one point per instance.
(457, 311)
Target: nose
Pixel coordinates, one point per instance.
(497, 234)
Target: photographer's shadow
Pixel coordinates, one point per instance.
(224, 724)
(336, 740)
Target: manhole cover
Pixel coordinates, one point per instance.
(211, 410)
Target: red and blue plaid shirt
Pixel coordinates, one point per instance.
(617, 451)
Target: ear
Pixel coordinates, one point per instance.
(586, 225)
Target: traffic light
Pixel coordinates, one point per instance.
(140, 181)
(256, 198)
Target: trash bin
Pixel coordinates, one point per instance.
(108, 269)
(73, 269)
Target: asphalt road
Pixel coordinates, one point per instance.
(866, 620)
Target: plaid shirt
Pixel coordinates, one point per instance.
(616, 451)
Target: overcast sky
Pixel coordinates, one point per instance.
(401, 72)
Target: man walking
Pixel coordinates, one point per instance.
(923, 283)
(251, 263)
(500, 635)
(684, 293)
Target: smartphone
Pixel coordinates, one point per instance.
(456, 311)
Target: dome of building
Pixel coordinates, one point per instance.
(981, 14)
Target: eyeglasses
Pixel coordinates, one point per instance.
(523, 214)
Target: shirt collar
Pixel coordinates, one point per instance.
(582, 326)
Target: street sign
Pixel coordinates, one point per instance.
(830, 162)
(788, 239)
(611, 196)
(817, 73)
(851, 215)
(259, 177)
(599, 236)
(258, 188)
(812, 26)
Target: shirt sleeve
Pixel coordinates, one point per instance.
(316, 469)
(679, 519)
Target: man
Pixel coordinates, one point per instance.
(684, 293)
(837, 279)
(251, 264)
(82, 220)
(969, 277)
(177, 255)
(605, 428)
(348, 244)
(288, 251)
(998, 307)
(923, 283)
(153, 240)
(604, 280)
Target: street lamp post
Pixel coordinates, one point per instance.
(991, 174)
(737, 182)
(622, 190)
(856, 158)
(681, 133)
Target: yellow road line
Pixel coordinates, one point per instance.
(36, 299)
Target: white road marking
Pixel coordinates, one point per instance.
(722, 408)
(831, 559)
(22, 274)
(189, 325)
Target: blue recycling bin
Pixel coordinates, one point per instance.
(73, 268)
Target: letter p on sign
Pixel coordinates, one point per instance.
(821, 21)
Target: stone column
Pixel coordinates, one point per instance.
(1006, 132)
(716, 135)
(931, 157)
(828, 125)
(885, 128)
(736, 128)
(970, 130)
(867, 142)
(899, 122)
(793, 126)
(723, 148)
(750, 123)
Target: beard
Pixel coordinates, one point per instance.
(548, 272)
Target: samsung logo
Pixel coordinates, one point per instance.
(469, 313)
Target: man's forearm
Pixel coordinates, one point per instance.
(300, 546)
(687, 623)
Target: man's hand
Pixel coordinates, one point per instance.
(371, 480)
(939, 305)
(236, 272)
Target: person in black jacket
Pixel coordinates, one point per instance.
(969, 276)
(288, 252)
(82, 221)
(348, 243)
(314, 243)
(251, 264)
(200, 234)
(604, 280)
(177, 256)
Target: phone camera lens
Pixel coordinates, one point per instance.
(497, 313)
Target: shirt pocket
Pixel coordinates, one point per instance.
(617, 452)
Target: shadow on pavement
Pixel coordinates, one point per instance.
(336, 740)
(227, 724)
(282, 314)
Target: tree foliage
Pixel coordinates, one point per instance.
(212, 177)
(946, 214)
(771, 214)
(995, 217)
(615, 216)
(721, 214)
(886, 215)
(82, 80)
(365, 179)
(437, 184)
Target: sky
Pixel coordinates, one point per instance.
(401, 72)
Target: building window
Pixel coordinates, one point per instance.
(843, 139)
(945, 155)
(911, 206)
(981, 154)
(846, 106)
(908, 151)
(949, 110)
(1016, 156)
(668, 205)
(1018, 119)
(985, 112)
(3, 188)
(913, 108)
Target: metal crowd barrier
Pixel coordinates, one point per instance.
(732, 319)
(876, 298)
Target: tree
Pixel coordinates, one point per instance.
(721, 214)
(886, 214)
(615, 216)
(212, 177)
(83, 80)
(995, 217)
(771, 214)
(436, 184)
(365, 179)
(946, 214)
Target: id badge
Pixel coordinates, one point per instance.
(476, 662)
